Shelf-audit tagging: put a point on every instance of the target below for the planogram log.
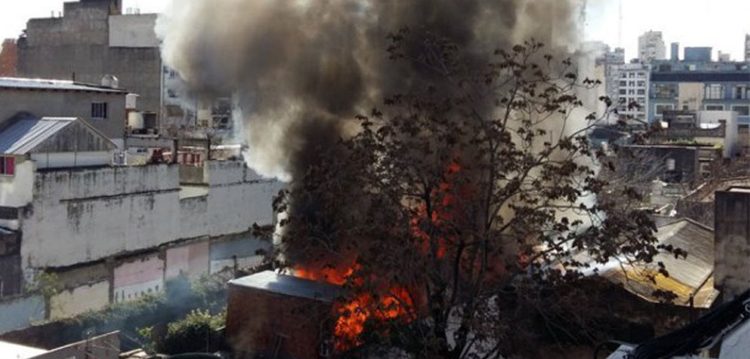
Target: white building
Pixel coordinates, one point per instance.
(632, 92)
(651, 47)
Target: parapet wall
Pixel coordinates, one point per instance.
(88, 215)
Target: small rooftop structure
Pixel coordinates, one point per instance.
(275, 315)
(53, 85)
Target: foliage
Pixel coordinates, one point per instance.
(477, 196)
(198, 332)
(155, 312)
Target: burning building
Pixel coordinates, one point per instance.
(301, 72)
(280, 316)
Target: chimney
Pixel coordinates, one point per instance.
(732, 241)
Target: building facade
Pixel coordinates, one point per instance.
(698, 54)
(651, 47)
(632, 92)
(102, 107)
(700, 86)
(91, 40)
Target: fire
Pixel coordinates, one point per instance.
(398, 302)
(352, 315)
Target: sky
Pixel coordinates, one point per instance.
(721, 24)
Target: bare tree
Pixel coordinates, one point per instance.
(455, 216)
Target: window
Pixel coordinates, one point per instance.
(741, 92)
(7, 166)
(661, 108)
(623, 91)
(641, 75)
(714, 92)
(641, 92)
(631, 83)
(641, 83)
(665, 91)
(742, 110)
(631, 92)
(714, 107)
(99, 110)
(623, 83)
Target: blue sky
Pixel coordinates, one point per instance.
(721, 24)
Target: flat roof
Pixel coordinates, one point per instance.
(740, 189)
(276, 283)
(54, 85)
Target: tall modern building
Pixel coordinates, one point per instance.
(698, 54)
(632, 92)
(674, 53)
(651, 47)
(747, 48)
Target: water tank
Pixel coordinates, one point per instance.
(131, 101)
(110, 81)
(135, 121)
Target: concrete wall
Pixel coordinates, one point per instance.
(19, 313)
(66, 104)
(190, 260)
(133, 31)
(72, 159)
(79, 43)
(732, 241)
(70, 303)
(86, 215)
(239, 250)
(141, 277)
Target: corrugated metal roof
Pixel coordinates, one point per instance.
(26, 133)
(57, 85)
(691, 278)
(273, 282)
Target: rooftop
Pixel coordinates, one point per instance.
(16, 351)
(54, 85)
(690, 279)
(27, 132)
(273, 282)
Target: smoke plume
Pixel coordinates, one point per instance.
(302, 69)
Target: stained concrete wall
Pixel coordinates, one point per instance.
(732, 241)
(19, 313)
(138, 278)
(133, 31)
(86, 298)
(66, 104)
(85, 215)
(190, 260)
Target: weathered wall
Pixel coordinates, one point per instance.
(240, 250)
(19, 313)
(79, 43)
(66, 104)
(70, 303)
(17, 191)
(732, 241)
(190, 260)
(85, 215)
(137, 278)
(133, 31)
(72, 159)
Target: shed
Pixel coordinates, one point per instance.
(280, 316)
(53, 142)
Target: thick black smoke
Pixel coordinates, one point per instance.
(302, 69)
